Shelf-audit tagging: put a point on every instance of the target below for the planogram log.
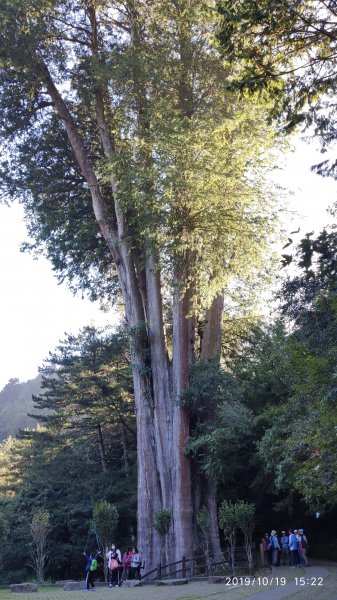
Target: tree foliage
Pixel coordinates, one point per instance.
(162, 522)
(221, 424)
(198, 193)
(86, 383)
(104, 522)
(288, 50)
(298, 444)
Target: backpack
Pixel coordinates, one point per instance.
(93, 565)
(304, 543)
(113, 564)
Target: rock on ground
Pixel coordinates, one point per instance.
(131, 583)
(74, 585)
(23, 587)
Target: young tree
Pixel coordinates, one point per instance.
(104, 523)
(229, 523)
(40, 529)
(246, 519)
(162, 523)
(204, 522)
(158, 190)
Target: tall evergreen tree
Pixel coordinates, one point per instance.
(158, 183)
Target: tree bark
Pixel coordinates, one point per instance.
(211, 349)
(183, 349)
(125, 451)
(211, 340)
(101, 448)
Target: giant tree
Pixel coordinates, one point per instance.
(137, 168)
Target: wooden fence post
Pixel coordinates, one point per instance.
(183, 567)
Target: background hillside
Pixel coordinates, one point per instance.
(15, 403)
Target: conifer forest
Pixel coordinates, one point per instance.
(141, 138)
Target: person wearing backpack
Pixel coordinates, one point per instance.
(90, 569)
(114, 569)
(112, 556)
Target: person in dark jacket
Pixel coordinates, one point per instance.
(268, 548)
(90, 569)
(305, 546)
(284, 541)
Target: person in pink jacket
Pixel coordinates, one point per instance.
(126, 561)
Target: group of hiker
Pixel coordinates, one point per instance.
(287, 549)
(120, 566)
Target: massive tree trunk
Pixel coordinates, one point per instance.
(211, 350)
(183, 350)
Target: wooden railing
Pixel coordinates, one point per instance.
(196, 566)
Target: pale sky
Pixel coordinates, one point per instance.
(35, 311)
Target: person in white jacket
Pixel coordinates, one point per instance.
(114, 578)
